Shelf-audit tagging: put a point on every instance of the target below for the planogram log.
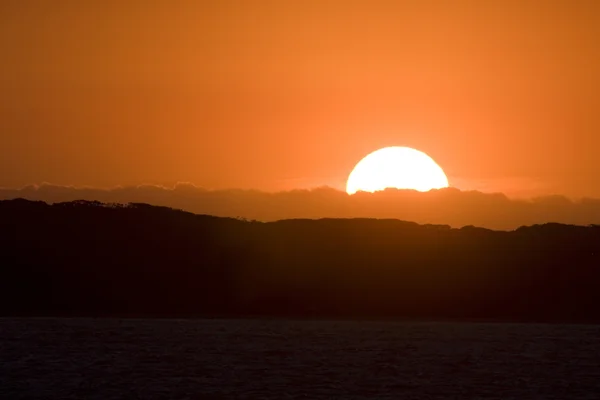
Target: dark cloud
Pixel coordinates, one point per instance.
(447, 206)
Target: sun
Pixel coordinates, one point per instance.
(396, 167)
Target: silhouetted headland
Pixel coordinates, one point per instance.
(93, 259)
(448, 206)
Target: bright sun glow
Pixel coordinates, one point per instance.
(396, 167)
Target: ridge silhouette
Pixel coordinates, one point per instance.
(450, 206)
(94, 259)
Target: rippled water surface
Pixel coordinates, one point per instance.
(253, 359)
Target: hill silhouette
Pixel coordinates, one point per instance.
(95, 259)
(448, 206)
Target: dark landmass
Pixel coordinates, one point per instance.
(449, 206)
(92, 259)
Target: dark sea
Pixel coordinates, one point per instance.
(277, 359)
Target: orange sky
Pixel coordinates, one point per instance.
(276, 95)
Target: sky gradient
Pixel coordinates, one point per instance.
(291, 95)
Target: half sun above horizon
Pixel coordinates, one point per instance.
(396, 167)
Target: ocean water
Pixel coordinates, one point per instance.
(275, 359)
